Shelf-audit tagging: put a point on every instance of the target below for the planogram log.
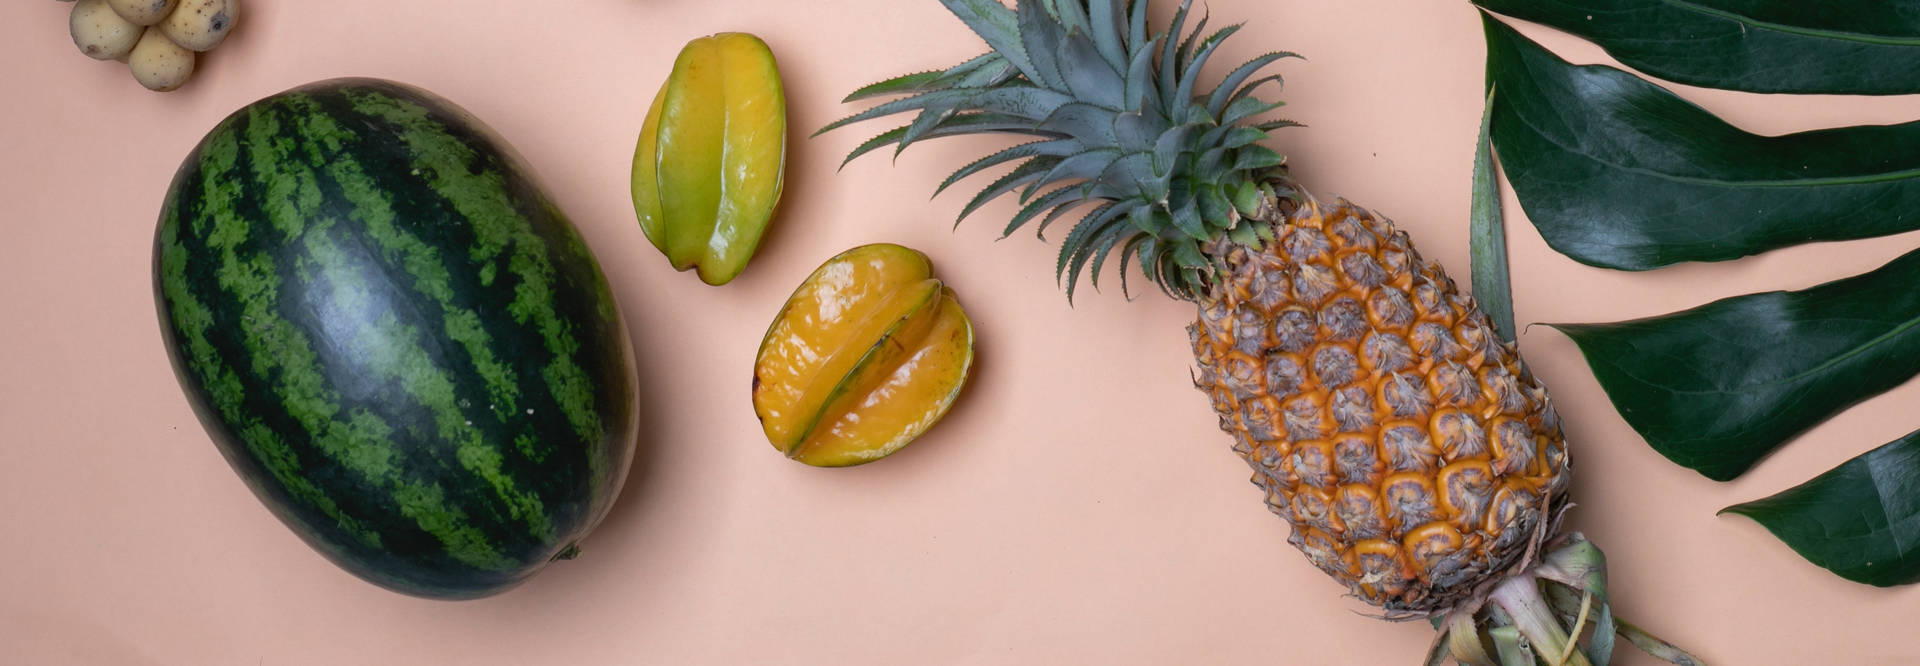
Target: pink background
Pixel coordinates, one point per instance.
(1077, 506)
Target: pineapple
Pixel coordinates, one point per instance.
(1418, 462)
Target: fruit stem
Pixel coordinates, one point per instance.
(1520, 597)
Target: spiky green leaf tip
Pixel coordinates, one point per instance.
(1162, 168)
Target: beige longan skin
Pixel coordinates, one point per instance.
(99, 32)
(201, 24)
(158, 63)
(142, 12)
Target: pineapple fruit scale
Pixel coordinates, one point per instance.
(1418, 461)
(1410, 449)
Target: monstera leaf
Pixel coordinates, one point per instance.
(1864, 47)
(1619, 173)
(1616, 171)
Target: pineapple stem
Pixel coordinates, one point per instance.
(1520, 597)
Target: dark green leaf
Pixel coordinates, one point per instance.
(1829, 46)
(1860, 520)
(1617, 172)
(1717, 387)
(1488, 233)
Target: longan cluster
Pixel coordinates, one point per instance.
(158, 39)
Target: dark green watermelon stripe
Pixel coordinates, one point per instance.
(361, 442)
(373, 210)
(443, 160)
(190, 319)
(422, 263)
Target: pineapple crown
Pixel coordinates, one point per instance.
(1120, 126)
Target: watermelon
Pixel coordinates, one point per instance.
(395, 337)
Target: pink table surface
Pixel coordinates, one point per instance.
(1077, 506)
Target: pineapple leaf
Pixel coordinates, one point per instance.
(1061, 211)
(1126, 252)
(992, 74)
(1021, 175)
(1253, 157)
(1272, 125)
(1092, 248)
(1102, 248)
(1246, 90)
(1105, 28)
(1488, 233)
(1170, 145)
(1243, 136)
(928, 119)
(998, 26)
(1217, 102)
(1137, 26)
(1184, 54)
(1075, 248)
(1211, 165)
(877, 142)
(1090, 124)
(1071, 14)
(1192, 267)
(1065, 195)
(1170, 53)
(1192, 75)
(1135, 132)
(1042, 42)
(1246, 107)
(1139, 82)
(899, 85)
(1215, 208)
(917, 102)
(1083, 166)
(1137, 170)
(1088, 76)
(1186, 218)
(971, 123)
(1054, 148)
(988, 61)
